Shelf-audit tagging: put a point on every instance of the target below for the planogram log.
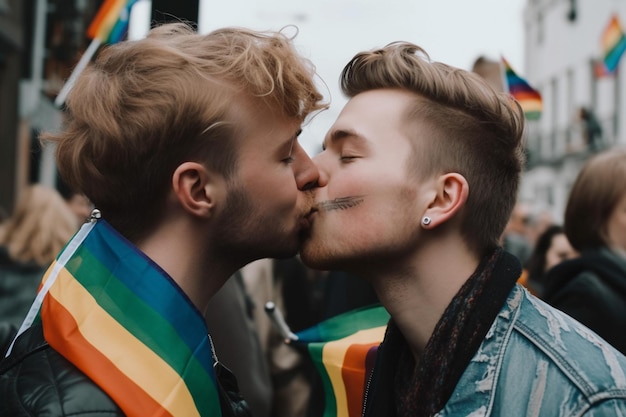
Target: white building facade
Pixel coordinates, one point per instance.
(562, 43)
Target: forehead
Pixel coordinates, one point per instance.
(377, 116)
(260, 126)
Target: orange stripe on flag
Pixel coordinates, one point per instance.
(334, 355)
(122, 390)
(109, 10)
(353, 373)
(527, 95)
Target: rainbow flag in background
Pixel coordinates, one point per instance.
(111, 22)
(520, 90)
(599, 69)
(613, 44)
(125, 323)
(343, 349)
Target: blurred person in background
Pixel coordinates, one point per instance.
(540, 219)
(592, 129)
(78, 202)
(592, 287)
(230, 318)
(515, 238)
(41, 224)
(551, 248)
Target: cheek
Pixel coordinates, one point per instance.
(377, 217)
(617, 229)
(273, 189)
(551, 259)
(346, 186)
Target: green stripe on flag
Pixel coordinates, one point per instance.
(145, 324)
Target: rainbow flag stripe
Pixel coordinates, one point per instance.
(343, 349)
(125, 323)
(111, 22)
(613, 44)
(520, 90)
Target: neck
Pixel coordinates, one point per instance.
(182, 252)
(417, 291)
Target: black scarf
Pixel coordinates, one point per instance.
(424, 390)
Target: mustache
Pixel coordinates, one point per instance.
(340, 203)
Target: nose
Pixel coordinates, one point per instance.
(304, 169)
(318, 160)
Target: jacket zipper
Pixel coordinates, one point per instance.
(213, 354)
(367, 390)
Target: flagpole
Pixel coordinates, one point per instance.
(277, 318)
(616, 102)
(505, 82)
(82, 64)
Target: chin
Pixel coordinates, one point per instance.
(318, 259)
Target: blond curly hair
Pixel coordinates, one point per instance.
(146, 106)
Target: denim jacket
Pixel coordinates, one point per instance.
(537, 361)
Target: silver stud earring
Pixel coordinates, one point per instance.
(426, 220)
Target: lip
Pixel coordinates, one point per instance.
(307, 220)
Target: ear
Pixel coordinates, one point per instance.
(451, 194)
(197, 188)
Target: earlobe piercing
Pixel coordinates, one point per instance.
(426, 220)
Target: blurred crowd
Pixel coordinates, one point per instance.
(578, 266)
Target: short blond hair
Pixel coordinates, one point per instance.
(40, 226)
(146, 106)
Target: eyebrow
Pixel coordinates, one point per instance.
(291, 141)
(340, 134)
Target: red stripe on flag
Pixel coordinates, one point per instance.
(353, 373)
(69, 342)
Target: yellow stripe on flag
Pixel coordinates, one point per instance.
(93, 323)
(333, 356)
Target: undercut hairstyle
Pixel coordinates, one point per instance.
(598, 189)
(469, 129)
(146, 106)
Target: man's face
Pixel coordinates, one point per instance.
(266, 204)
(368, 207)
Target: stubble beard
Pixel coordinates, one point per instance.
(244, 234)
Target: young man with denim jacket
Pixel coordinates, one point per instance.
(418, 177)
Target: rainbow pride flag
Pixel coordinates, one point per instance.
(520, 90)
(613, 45)
(343, 349)
(108, 26)
(111, 22)
(124, 322)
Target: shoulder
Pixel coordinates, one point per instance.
(556, 333)
(36, 380)
(565, 354)
(560, 367)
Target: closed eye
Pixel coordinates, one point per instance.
(348, 158)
